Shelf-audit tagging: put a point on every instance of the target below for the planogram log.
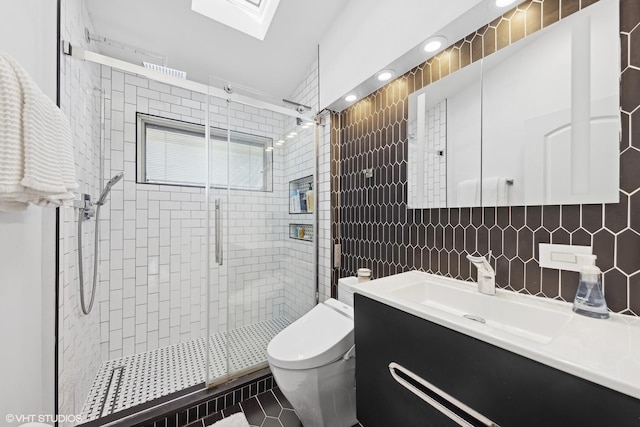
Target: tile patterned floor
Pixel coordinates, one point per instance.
(154, 374)
(269, 409)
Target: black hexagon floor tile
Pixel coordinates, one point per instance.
(253, 411)
(257, 410)
(288, 418)
(271, 422)
(270, 404)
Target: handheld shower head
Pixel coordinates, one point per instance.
(107, 188)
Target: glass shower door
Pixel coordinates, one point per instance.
(217, 223)
(255, 236)
(262, 254)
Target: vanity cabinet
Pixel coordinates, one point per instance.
(505, 388)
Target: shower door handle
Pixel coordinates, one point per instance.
(220, 235)
(218, 224)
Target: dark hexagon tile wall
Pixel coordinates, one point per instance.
(375, 229)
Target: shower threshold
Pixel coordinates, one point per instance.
(154, 374)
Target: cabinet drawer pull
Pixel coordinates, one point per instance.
(443, 402)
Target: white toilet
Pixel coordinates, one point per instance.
(313, 362)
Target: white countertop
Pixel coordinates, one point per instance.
(604, 351)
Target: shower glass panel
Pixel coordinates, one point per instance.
(145, 337)
(255, 236)
(266, 275)
(217, 223)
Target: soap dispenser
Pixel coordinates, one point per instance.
(589, 300)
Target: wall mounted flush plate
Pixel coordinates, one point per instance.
(562, 257)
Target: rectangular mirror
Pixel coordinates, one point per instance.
(535, 123)
(445, 142)
(550, 114)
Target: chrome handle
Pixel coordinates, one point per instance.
(217, 232)
(220, 234)
(218, 225)
(394, 368)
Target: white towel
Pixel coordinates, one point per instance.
(495, 191)
(468, 193)
(36, 148)
(235, 420)
(11, 147)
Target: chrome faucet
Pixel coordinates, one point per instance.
(486, 275)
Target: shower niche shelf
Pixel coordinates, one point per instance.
(301, 195)
(301, 232)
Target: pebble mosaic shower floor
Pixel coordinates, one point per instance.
(147, 376)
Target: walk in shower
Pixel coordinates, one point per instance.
(200, 261)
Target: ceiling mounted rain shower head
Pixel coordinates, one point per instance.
(165, 70)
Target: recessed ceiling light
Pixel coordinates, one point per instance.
(350, 98)
(289, 136)
(434, 43)
(268, 149)
(504, 3)
(293, 133)
(280, 142)
(309, 123)
(385, 75)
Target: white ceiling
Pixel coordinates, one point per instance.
(203, 47)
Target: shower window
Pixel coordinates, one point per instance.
(171, 151)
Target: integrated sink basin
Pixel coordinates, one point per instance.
(606, 352)
(501, 311)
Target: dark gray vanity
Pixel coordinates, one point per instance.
(505, 388)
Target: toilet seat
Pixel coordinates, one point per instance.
(319, 337)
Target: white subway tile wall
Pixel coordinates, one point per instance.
(155, 235)
(79, 354)
(299, 162)
(251, 275)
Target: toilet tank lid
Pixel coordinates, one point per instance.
(347, 282)
(340, 307)
(319, 337)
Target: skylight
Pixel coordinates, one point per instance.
(256, 3)
(252, 17)
(254, 6)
